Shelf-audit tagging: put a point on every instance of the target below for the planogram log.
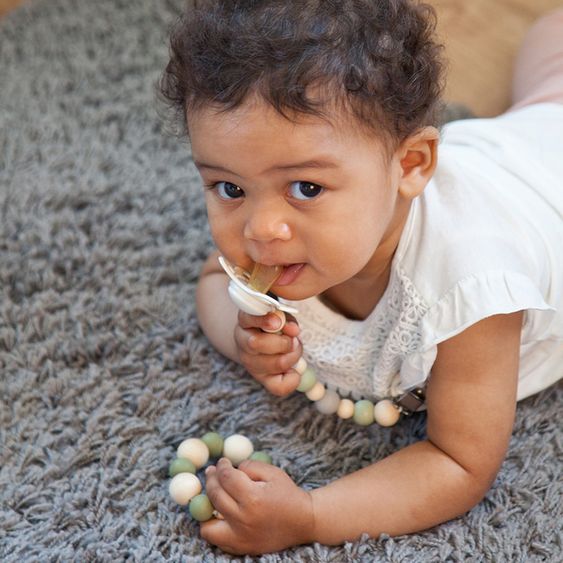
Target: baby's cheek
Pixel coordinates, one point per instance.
(228, 240)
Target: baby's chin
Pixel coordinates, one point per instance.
(293, 293)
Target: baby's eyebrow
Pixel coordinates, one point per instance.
(313, 163)
(213, 167)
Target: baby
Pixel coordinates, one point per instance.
(313, 125)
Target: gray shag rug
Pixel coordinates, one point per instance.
(103, 368)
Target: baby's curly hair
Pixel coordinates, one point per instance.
(376, 58)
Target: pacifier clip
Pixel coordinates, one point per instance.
(249, 293)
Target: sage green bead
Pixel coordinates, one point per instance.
(181, 465)
(308, 380)
(261, 456)
(201, 508)
(214, 442)
(363, 413)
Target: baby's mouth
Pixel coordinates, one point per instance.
(264, 277)
(289, 274)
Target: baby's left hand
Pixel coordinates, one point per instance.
(263, 509)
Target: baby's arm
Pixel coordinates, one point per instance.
(217, 314)
(471, 399)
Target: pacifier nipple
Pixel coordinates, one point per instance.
(263, 277)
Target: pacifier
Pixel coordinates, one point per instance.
(248, 291)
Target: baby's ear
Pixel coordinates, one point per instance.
(417, 156)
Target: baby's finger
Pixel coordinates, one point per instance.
(260, 471)
(234, 482)
(256, 342)
(262, 365)
(291, 327)
(219, 497)
(281, 316)
(219, 533)
(283, 384)
(271, 322)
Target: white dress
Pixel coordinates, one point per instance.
(485, 237)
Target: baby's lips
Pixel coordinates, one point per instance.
(263, 277)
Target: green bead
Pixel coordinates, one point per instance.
(308, 380)
(214, 442)
(261, 456)
(363, 413)
(181, 465)
(201, 508)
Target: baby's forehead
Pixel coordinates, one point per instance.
(332, 119)
(255, 141)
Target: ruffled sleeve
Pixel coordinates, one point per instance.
(472, 299)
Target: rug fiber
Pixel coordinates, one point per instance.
(103, 368)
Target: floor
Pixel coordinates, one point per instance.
(481, 39)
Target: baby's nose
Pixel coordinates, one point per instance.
(266, 226)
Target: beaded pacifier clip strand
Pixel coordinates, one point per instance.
(192, 455)
(248, 292)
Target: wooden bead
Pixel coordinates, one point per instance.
(317, 392)
(386, 413)
(329, 403)
(300, 366)
(345, 409)
(237, 448)
(183, 487)
(363, 413)
(195, 450)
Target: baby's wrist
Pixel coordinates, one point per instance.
(308, 527)
(327, 525)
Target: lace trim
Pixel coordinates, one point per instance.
(362, 359)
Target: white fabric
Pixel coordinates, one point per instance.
(486, 237)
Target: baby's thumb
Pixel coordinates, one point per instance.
(291, 327)
(271, 322)
(274, 326)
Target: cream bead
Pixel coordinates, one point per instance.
(183, 487)
(195, 450)
(237, 448)
(317, 392)
(329, 403)
(345, 409)
(300, 366)
(386, 413)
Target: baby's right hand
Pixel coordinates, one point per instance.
(269, 357)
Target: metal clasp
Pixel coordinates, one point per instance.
(410, 401)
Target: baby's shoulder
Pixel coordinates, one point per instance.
(467, 256)
(453, 233)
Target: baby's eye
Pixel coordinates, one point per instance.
(304, 190)
(226, 190)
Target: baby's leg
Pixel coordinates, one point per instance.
(538, 73)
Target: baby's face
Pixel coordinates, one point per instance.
(314, 197)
